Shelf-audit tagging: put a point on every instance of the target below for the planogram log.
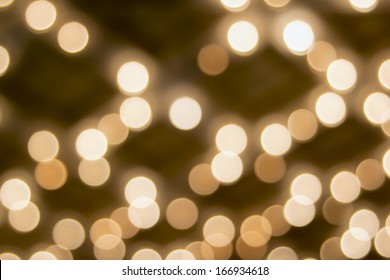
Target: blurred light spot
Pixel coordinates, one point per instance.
(302, 125)
(331, 250)
(227, 167)
(299, 211)
(355, 243)
(276, 139)
(113, 128)
(69, 233)
(60, 252)
(73, 37)
(386, 163)
(231, 138)
(9, 256)
(41, 15)
(246, 252)
(43, 146)
(307, 185)
(370, 174)
(5, 3)
(201, 250)
(146, 254)
(202, 181)
(384, 74)
(277, 3)
(282, 253)
(51, 175)
(213, 60)
(375, 107)
(218, 231)
(26, 219)
(274, 215)
(103, 227)
(15, 194)
(133, 77)
(4, 60)
(366, 220)
(180, 254)
(243, 37)
(43, 255)
(363, 6)
(91, 144)
(182, 213)
(321, 55)
(256, 231)
(345, 187)
(382, 242)
(331, 109)
(94, 172)
(144, 213)
(235, 5)
(185, 113)
(335, 212)
(109, 247)
(270, 169)
(140, 187)
(121, 217)
(298, 36)
(341, 75)
(136, 113)
(222, 253)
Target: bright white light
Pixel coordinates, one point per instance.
(73, 37)
(227, 167)
(298, 36)
(4, 60)
(41, 15)
(341, 75)
(231, 138)
(276, 139)
(363, 6)
(91, 144)
(235, 5)
(185, 113)
(375, 107)
(135, 113)
(243, 37)
(133, 77)
(331, 109)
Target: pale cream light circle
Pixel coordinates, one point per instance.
(180, 254)
(299, 211)
(202, 181)
(135, 113)
(298, 37)
(277, 3)
(341, 75)
(282, 253)
(213, 59)
(386, 163)
(370, 174)
(276, 139)
(102, 227)
(5, 3)
(235, 5)
(307, 185)
(114, 129)
(375, 107)
(60, 252)
(144, 213)
(201, 250)
(146, 254)
(331, 109)
(321, 55)
(182, 213)
(43, 255)
(345, 187)
(4, 60)
(109, 247)
(384, 74)
(363, 6)
(246, 252)
(121, 217)
(222, 253)
(302, 125)
(366, 220)
(94, 172)
(26, 219)
(227, 167)
(331, 249)
(231, 138)
(51, 175)
(355, 243)
(256, 231)
(43, 146)
(9, 256)
(218, 231)
(335, 212)
(15, 194)
(139, 187)
(243, 37)
(133, 78)
(185, 113)
(73, 37)
(279, 225)
(269, 168)
(91, 144)
(382, 242)
(69, 233)
(41, 15)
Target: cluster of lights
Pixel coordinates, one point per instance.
(226, 167)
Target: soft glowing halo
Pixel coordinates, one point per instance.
(69, 233)
(383, 74)
(355, 243)
(365, 220)
(201, 180)
(227, 167)
(114, 129)
(298, 37)
(331, 109)
(43, 146)
(146, 254)
(363, 6)
(91, 144)
(269, 168)
(256, 231)
(43, 255)
(26, 219)
(41, 15)
(109, 247)
(9, 256)
(341, 75)
(219, 231)
(51, 175)
(121, 217)
(282, 253)
(375, 107)
(277, 3)
(133, 78)
(94, 172)
(371, 174)
(231, 138)
(235, 5)
(307, 185)
(140, 187)
(135, 113)
(299, 211)
(15, 194)
(276, 139)
(345, 187)
(5, 3)
(180, 254)
(213, 59)
(144, 213)
(182, 213)
(382, 242)
(73, 37)
(321, 55)
(386, 163)
(185, 113)
(302, 125)
(4, 60)
(243, 37)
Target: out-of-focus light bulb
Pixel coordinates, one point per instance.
(298, 37)
(243, 37)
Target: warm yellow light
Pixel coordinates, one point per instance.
(341, 75)
(375, 107)
(243, 37)
(26, 219)
(133, 78)
(235, 5)
(246, 252)
(43, 146)
(384, 74)
(201, 250)
(321, 55)
(51, 175)
(276, 139)
(302, 125)
(274, 215)
(382, 242)
(60, 252)
(218, 231)
(114, 129)
(277, 3)
(370, 174)
(91, 144)
(9, 256)
(212, 60)
(386, 163)
(298, 37)
(363, 6)
(331, 109)
(135, 113)
(227, 167)
(73, 37)
(231, 138)
(307, 185)
(69, 233)
(202, 181)
(140, 187)
(43, 255)
(5, 3)
(94, 172)
(180, 254)
(365, 220)
(146, 254)
(144, 213)
(335, 212)
(4, 60)
(104, 227)
(182, 213)
(15, 194)
(269, 169)
(185, 113)
(41, 15)
(282, 253)
(331, 250)
(345, 187)
(109, 247)
(299, 211)
(121, 217)
(256, 231)
(355, 243)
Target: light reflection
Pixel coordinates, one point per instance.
(41, 15)
(243, 37)
(73, 37)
